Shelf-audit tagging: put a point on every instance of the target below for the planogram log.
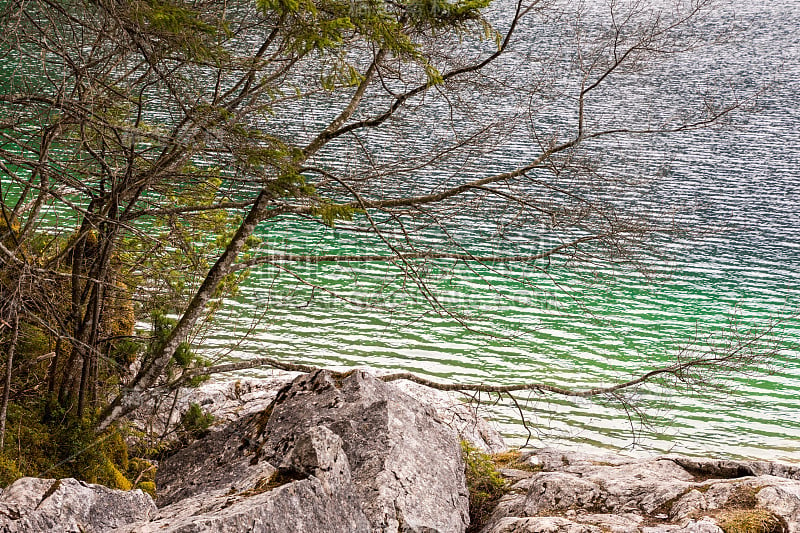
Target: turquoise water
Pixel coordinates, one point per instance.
(579, 324)
(593, 323)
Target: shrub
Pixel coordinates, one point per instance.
(9, 471)
(194, 422)
(486, 485)
(148, 487)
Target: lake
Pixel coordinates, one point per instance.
(737, 186)
(734, 189)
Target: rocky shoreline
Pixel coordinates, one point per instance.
(315, 453)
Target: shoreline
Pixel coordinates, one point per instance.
(353, 454)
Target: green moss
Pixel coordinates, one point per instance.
(125, 351)
(9, 472)
(148, 487)
(194, 422)
(106, 473)
(513, 459)
(33, 341)
(61, 448)
(141, 469)
(485, 483)
(45, 436)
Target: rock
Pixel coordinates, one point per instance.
(705, 525)
(213, 466)
(714, 468)
(613, 523)
(231, 400)
(764, 468)
(405, 463)
(303, 505)
(554, 460)
(513, 475)
(33, 505)
(462, 417)
(661, 494)
(310, 490)
(725, 469)
(782, 498)
(692, 526)
(352, 455)
(560, 491)
(687, 505)
(228, 401)
(540, 524)
(625, 488)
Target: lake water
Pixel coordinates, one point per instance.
(598, 324)
(736, 186)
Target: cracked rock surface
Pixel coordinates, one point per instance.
(581, 493)
(34, 505)
(330, 455)
(230, 400)
(291, 453)
(353, 454)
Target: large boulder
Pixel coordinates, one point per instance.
(33, 505)
(230, 400)
(461, 416)
(351, 454)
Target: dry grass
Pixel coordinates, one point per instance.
(513, 459)
(749, 521)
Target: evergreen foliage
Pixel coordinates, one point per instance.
(485, 483)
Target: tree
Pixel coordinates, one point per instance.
(145, 123)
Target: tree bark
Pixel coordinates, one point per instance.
(137, 392)
(9, 367)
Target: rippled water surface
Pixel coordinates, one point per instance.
(741, 181)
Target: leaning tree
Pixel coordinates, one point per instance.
(145, 141)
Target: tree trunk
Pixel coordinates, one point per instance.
(9, 367)
(137, 392)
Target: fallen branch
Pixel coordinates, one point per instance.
(739, 355)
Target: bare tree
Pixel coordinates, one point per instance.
(145, 123)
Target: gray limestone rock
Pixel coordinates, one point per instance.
(725, 469)
(462, 417)
(214, 465)
(687, 505)
(304, 505)
(555, 460)
(33, 505)
(356, 445)
(714, 468)
(782, 497)
(540, 524)
(662, 494)
(704, 525)
(231, 400)
(227, 400)
(612, 523)
(561, 491)
(356, 455)
(638, 487)
(405, 463)
(642, 487)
